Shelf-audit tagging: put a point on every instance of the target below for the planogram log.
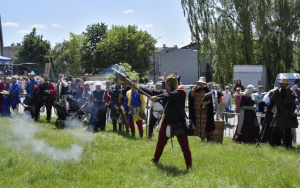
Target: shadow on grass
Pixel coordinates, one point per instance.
(172, 170)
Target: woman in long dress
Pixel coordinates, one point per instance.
(247, 130)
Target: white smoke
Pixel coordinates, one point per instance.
(22, 134)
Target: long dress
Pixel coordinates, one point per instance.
(247, 130)
(200, 113)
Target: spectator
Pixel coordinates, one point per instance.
(163, 79)
(247, 130)
(219, 103)
(237, 96)
(238, 83)
(227, 103)
(178, 77)
(69, 78)
(77, 90)
(213, 92)
(258, 97)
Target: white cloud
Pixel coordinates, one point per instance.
(146, 26)
(55, 25)
(10, 24)
(128, 11)
(37, 26)
(25, 31)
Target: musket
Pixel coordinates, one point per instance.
(123, 78)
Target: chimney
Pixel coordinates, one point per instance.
(175, 46)
(164, 46)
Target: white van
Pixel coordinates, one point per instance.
(294, 78)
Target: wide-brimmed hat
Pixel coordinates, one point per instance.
(250, 89)
(202, 80)
(284, 81)
(15, 76)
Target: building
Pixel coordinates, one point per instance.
(184, 60)
(9, 51)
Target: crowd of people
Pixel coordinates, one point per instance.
(125, 105)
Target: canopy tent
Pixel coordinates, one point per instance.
(2, 58)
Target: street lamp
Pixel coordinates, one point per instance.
(154, 65)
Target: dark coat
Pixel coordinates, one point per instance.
(210, 124)
(285, 116)
(175, 109)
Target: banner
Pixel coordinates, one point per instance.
(47, 69)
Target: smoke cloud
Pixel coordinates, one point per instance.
(21, 133)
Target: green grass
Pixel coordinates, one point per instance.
(109, 159)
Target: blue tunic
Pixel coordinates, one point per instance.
(14, 91)
(30, 90)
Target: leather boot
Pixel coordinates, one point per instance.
(114, 125)
(141, 134)
(120, 127)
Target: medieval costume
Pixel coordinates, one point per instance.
(114, 92)
(133, 104)
(173, 100)
(265, 132)
(201, 110)
(156, 109)
(100, 99)
(2, 88)
(247, 130)
(31, 93)
(46, 96)
(285, 116)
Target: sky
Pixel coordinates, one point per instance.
(55, 19)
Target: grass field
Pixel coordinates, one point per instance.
(39, 155)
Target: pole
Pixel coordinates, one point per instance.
(154, 65)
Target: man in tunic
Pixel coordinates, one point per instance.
(114, 92)
(46, 96)
(134, 103)
(285, 116)
(201, 110)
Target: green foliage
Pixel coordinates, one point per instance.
(110, 159)
(127, 44)
(67, 55)
(111, 78)
(33, 49)
(245, 32)
(129, 72)
(91, 57)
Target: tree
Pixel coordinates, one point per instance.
(33, 49)
(91, 57)
(247, 32)
(67, 55)
(127, 44)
